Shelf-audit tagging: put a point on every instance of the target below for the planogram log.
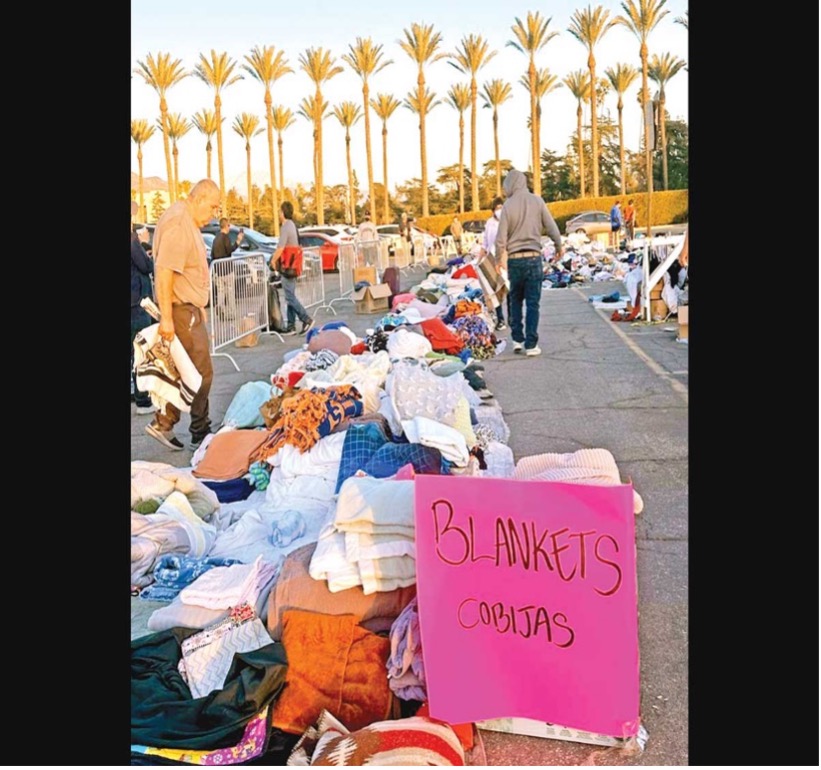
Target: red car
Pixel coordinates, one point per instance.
(328, 250)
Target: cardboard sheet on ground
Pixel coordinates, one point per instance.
(528, 601)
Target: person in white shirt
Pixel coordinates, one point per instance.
(489, 247)
(368, 236)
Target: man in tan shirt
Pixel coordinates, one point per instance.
(182, 288)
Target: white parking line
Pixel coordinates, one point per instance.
(656, 368)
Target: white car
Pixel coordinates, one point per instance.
(337, 233)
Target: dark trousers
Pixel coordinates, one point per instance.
(525, 275)
(191, 332)
(139, 320)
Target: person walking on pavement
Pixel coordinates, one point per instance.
(489, 247)
(615, 224)
(288, 237)
(182, 293)
(630, 220)
(519, 251)
(456, 232)
(142, 268)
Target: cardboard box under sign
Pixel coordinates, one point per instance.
(684, 322)
(372, 299)
(522, 726)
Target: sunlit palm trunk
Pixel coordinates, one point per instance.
(143, 217)
(423, 150)
(269, 114)
(320, 213)
(169, 169)
(538, 172)
(581, 150)
(250, 198)
(594, 125)
(176, 154)
(621, 146)
(351, 193)
(281, 172)
(461, 164)
(496, 151)
(474, 180)
(220, 164)
(385, 169)
(647, 155)
(208, 159)
(534, 142)
(371, 188)
(663, 124)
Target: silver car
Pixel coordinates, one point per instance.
(588, 222)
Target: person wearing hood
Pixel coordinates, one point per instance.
(519, 252)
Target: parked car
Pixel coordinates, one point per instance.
(476, 226)
(251, 241)
(589, 223)
(328, 248)
(431, 241)
(337, 233)
(391, 232)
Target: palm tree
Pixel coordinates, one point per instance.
(621, 77)
(384, 106)
(315, 112)
(459, 99)
(661, 69)
(178, 126)
(470, 58)
(420, 44)
(531, 37)
(206, 123)
(268, 65)
(218, 74)
(320, 67)
(283, 119)
(365, 59)
(641, 17)
(141, 132)
(684, 20)
(162, 73)
(589, 27)
(348, 113)
(545, 83)
(247, 126)
(579, 84)
(495, 93)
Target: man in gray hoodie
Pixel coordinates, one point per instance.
(519, 252)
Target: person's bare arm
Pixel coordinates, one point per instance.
(164, 278)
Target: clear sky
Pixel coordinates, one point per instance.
(187, 29)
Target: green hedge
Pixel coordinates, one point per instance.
(670, 207)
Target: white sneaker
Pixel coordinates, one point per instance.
(150, 409)
(518, 347)
(537, 351)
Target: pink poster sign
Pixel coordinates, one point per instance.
(528, 602)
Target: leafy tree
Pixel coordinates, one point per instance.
(283, 119)
(558, 181)
(157, 206)
(206, 124)
(384, 106)
(141, 132)
(459, 99)
(348, 113)
(495, 93)
(247, 126)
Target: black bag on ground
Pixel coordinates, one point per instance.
(275, 320)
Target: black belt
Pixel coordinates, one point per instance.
(519, 254)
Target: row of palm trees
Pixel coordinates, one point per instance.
(422, 44)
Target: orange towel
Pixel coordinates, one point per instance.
(228, 456)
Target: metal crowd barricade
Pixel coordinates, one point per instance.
(347, 263)
(448, 247)
(420, 252)
(666, 256)
(239, 299)
(310, 286)
(401, 255)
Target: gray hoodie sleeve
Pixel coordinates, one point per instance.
(551, 228)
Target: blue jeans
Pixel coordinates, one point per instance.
(525, 276)
(294, 309)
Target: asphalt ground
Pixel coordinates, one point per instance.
(598, 384)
